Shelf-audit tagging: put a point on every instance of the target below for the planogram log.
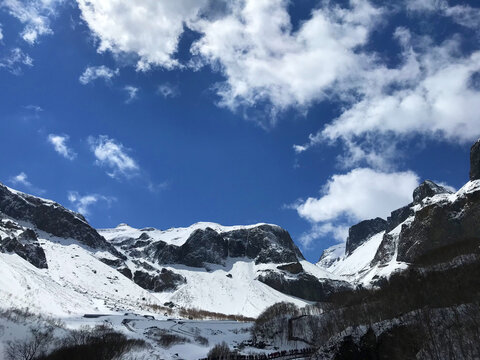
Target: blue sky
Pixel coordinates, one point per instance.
(308, 114)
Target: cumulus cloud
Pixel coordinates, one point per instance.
(83, 203)
(360, 194)
(433, 94)
(132, 93)
(22, 180)
(34, 14)
(59, 143)
(150, 29)
(264, 59)
(92, 73)
(168, 90)
(15, 61)
(113, 156)
(1, 32)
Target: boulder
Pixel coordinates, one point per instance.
(166, 280)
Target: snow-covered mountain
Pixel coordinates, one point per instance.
(435, 219)
(53, 261)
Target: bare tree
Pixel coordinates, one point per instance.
(31, 347)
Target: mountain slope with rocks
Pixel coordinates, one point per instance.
(50, 250)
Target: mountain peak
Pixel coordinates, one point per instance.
(428, 189)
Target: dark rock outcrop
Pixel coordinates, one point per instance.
(293, 268)
(27, 248)
(264, 244)
(361, 232)
(51, 218)
(475, 161)
(165, 280)
(304, 285)
(398, 216)
(428, 189)
(440, 224)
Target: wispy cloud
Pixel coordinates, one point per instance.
(157, 187)
(168, 90)
(82, 203)
(132, 93)
(22, 180)
(93, 73)
(113, 156)
(15, 61)
(34, 14)
(59, 143)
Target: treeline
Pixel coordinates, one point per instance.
(437, 302)
(198, 314)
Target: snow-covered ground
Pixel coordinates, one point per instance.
(76, 282)
(195, 338)
(192, 347)
(212, 290)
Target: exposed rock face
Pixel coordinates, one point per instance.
(475, 161)
(361, 232)
(23, 242)
(440, 224)
(385, 251)
(264, 243)
(293, 268)
(51, 218)
(398, 216)
(304, 285)
(162, 281)
(29, 250)
(428, 189)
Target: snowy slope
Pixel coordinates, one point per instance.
(357, 268)
(76, 282)
(214, 291)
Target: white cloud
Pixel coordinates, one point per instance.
(360, 194)
(168, 90)
(22, 180)
(113, 155)
(1, 33)
(83, 203)
(431, 95)
(263, 59)
(15, 61)
(151, 29)
(34, 14)
(464, 15)
(92, 73)
(132, 93)
(339, 233)
(59, 143)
